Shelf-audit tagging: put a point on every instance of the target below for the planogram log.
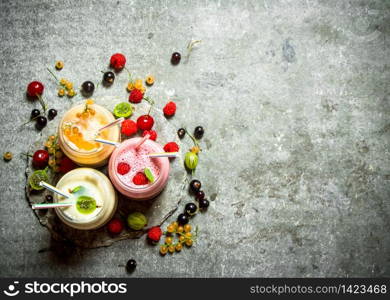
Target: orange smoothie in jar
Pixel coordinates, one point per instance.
(79, 128)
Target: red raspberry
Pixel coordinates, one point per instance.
(129, 127)
(154, 234)
(140, 179)
(171, 147)
(123, 168)
(115, 226)
(136, 96)
(169, 109)
(152, 133)
(66, 165)
(118, 61)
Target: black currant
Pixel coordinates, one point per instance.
(131, 265)
(198, 132)
(51, 114)
(35, 113)
(181, 133)
(175, 59)
(109, 77)
(199, 195)
(182, 219)
(195, 185)
(88, 87)
(204, 203)
(190, 209)
(40, 122)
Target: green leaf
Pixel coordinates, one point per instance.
(149, 174)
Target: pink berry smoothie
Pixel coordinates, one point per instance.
(138, 160)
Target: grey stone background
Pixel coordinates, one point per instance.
(294, 98)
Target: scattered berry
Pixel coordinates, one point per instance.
(118, 61)
(109, 77)
(190, 209)
(181, 133)
(169, 109)
(41, 122)
(123, 109)
(66, 165)
(87, 88)
(175, 59)
(123, 168)
(138, 85)
(51, 114)
(140, 179)
(182, 219)
(204, 203)
(199, 195)
(136, 220)
(189, 243)
(168, 240)
(178, 247)
(152, 133)
(149, 80)
(130, 86)
(129, 127)
(131, 265)
(180, 229)
(195, 149)
(136, 96)
(71, 93)
(115, 226)
(35, 89)
(198, 132)
(187, 228)
(59, 65)
(171, 147)
(154, 234)
(171, 248)
(191, 160)
(163, 250)
(40, 159)
(61, 92)
(7, 156)
(195, 185)
(170, 228)
(35, 113)
(49, 198)
(145, 122)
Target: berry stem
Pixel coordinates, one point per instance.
(43, 104)
(192, 138)
(128, 72)
(55, 77)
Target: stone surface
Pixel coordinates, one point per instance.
(295, 102)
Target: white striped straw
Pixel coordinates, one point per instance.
(117, 121)
(54, 189)
(142, 141)
(164, 154)
(116, 144)
(51, 205)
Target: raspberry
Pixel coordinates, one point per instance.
(129, 127)
(152, 133)
(136, 96)
(169, 109)
(123, 168)
(115, 226)
(171, 147)
(118, 61)
(66, 165)
(140, 179)
(154, 234)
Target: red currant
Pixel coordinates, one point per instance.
(145, 122)
(35, 88)
(115, 226)
(40, 159)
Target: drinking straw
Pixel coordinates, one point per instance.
(116, 144)
(164, 154)
(51, 205)
(117, 121)
(54, 189)
(142, 141)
